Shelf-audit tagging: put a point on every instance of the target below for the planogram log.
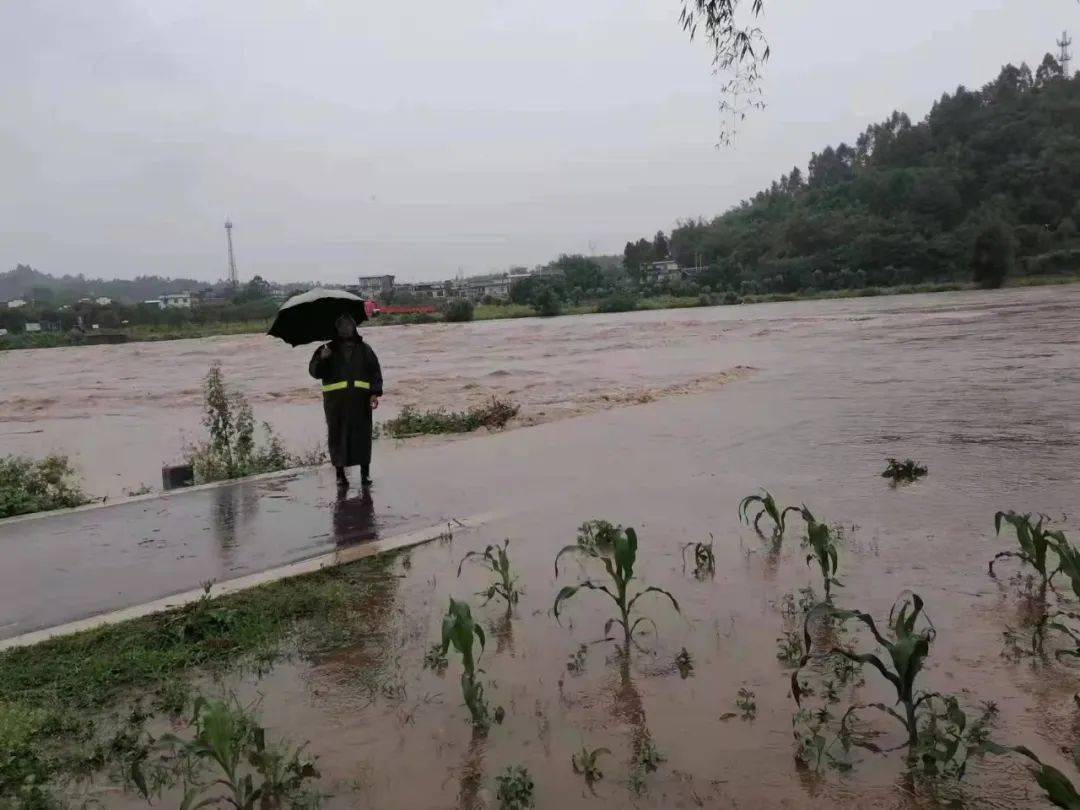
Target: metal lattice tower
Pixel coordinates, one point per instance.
(1065, 57)
(233, 278)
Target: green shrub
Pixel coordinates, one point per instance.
(992, 255)
(618, 302)
(232, 451)
(547, 303)
(411, 422)
(29, 486)
(459, 311)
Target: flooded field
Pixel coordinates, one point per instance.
(981, 387)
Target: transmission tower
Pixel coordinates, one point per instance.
(233, 278)
(1065, 57)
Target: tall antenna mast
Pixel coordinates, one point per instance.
(233, 278)
(1065, 57)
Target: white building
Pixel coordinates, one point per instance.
(154, 302)
(662, 271)
(16, 303)
(102, 301)
(373, 286)
(33, 327)
(489, 287)
(176, 301)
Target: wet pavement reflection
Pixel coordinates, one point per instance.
(354, 517)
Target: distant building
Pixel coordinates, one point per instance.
(374, 286)
(662, 271)
(176, 301)
(154, 302)
(16, 303)
(33, 327)
(102, 301)
(437, 289)
(208, 297)
(497, 286)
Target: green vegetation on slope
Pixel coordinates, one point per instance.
(985, 185)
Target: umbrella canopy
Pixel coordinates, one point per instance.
(310, 316)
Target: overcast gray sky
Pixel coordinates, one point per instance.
(351, 136)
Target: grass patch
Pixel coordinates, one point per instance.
(92, 668)
(412, 422)
(29, 486)
(57, 695)
(488, 312)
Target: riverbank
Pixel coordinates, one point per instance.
(489, 312)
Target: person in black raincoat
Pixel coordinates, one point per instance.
(352, 384)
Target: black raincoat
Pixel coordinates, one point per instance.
(351, 377)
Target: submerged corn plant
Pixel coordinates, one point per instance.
(1063, 622)
(767, 506)
(908, 649)
(229, 739)
(684, 662)
(947, 738)
(460, 631)
(587, 763)
(1068, 561)
(1060, 791)
(704, 559)
(598, 535)
(497, 560)
(1034, 540)
(822, 543)
(815, 749)
(620, 569)
(514, 788)
(906, 470)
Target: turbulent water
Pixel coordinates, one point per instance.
(121, 412)
(680, 414)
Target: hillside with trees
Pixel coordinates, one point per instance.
(984, 186)
(25, 282)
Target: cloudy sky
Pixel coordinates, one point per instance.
(349, 136)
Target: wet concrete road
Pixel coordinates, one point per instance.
(62, 568)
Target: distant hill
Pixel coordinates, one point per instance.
(27, 283)
(906, 203)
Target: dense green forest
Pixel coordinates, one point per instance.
(987, 184)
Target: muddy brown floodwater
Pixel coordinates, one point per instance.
(981, 387)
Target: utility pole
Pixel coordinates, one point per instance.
(1065, 57)
(233, 278)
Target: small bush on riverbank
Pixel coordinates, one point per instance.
(618, 302)
(232, 451)
(29, 486)
(411, 422)
(460, 311)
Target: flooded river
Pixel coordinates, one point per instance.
(679, 415)
(122, 411)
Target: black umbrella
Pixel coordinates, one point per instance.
(310, 316)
